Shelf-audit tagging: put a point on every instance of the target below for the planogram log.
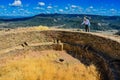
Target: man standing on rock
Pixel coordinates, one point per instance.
(86, 22)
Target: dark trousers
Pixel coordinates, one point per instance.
(87, 28)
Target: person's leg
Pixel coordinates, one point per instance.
(88, 29)
(85, 28)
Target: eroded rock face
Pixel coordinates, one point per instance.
(88, 48)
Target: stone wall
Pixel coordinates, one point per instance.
(105, 46)
(92, 49)
(87, 47)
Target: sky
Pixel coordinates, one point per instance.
(34, 7)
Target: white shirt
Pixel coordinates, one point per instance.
(86, 22)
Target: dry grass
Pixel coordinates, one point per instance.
(41, 28)
(34, 66)
(37, 28)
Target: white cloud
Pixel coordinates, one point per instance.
(73, 6)
(112, 10)
(49, 7)
(91, 7)
(41, 3)
(5, 9)
(66, 8)
(13, 11)
(16, 3)
(61, 10)
(21, 9)
(38, 8)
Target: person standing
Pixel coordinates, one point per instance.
(86, 22)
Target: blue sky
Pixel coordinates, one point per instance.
(33, 7)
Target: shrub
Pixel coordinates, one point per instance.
(118, 33)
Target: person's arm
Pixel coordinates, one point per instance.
(83, 23)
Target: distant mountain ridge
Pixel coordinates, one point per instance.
(14, 18)
(67, 20)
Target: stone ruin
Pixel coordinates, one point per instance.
(86, 47)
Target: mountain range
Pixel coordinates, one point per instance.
(62, 20)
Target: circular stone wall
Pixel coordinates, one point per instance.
(86, 47)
